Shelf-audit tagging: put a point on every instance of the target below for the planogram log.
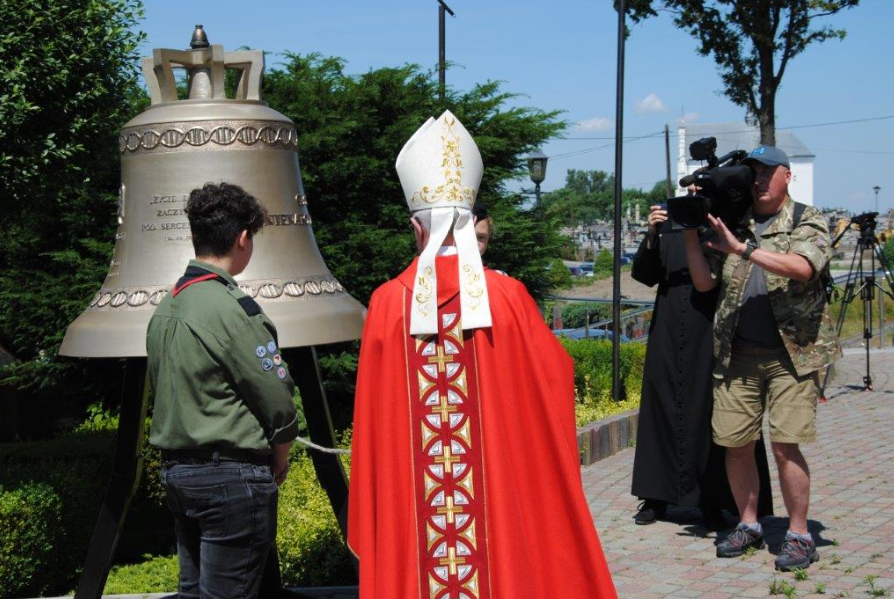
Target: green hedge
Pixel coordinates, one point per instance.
(593, 377)
(30, 519)
(75, 468)
(312, 551)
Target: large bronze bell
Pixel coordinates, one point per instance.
(170, 149)
(178, 145)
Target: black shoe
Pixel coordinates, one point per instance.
(649, 511)
(796, 554)
(713, 518)
(739, 541)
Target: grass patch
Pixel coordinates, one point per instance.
(874, 591)
(782, 587)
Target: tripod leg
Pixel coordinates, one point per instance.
(867, 294)
(126, 469)
(846, 300)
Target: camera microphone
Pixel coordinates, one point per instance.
(687, 180)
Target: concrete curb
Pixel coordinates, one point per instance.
(603, 438)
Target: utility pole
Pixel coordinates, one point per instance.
(619, 147)
(442, 52)
(667, 161)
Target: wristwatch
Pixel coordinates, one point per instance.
(750, 246)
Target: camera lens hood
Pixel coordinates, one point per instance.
(690, 212)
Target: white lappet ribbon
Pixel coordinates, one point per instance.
(474, 301)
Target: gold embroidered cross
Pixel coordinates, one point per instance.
(448, 460)
(452, 561)
(444, 409)
(451, 510)
(441, 360)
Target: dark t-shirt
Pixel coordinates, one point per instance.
(757, 325)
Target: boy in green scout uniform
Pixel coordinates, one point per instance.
(223, 416)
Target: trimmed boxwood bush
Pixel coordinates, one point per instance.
(29, 538)
(157, 574)
(312, 551)
(76, 468)
(593, 377)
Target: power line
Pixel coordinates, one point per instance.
(830, 123)
(608, 145)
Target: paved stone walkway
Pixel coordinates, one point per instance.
(851, 512)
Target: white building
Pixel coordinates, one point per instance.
(741, 136)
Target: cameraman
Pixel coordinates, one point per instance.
(772, 335)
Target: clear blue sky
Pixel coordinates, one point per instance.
(562, 55)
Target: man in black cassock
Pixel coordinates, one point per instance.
(676, 461)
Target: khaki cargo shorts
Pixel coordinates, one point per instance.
(762, 379)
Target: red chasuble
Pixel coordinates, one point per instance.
(465, 479)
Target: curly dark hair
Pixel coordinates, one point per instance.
(218, 214)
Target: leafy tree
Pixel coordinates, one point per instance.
(589, 196)
(604, 264)
(60, 174)
(67, 76)
(751, 42)
(351, 129)
(658, 193)
(888, 251)
(574, 315)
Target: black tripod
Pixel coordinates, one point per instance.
(862, 282)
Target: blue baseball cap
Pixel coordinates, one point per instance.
(768, 155)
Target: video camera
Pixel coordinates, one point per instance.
(865, 220)
(724, 187)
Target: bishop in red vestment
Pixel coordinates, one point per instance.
(465, 478)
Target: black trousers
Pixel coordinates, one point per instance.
(225, 520)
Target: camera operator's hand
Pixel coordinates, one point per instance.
(657, 214)
(725, 241)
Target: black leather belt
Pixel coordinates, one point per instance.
(223, 454)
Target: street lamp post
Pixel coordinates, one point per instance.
(876, 189)
(537, 171)
(442, 52)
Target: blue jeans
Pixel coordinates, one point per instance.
(225, 520)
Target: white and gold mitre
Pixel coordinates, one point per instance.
(440, 169)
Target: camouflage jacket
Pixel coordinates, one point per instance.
(801, 310)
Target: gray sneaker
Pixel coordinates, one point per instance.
(739, 541)
(796, 554)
